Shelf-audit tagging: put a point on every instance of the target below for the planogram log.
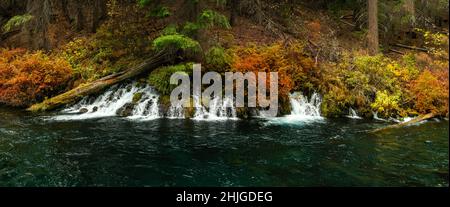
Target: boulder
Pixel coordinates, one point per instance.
(126, 110)
(83, 110)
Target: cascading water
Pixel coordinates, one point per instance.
(302, 108)
(176, 112)
(352, 114)
(217, 110)
(118, 100)
(375, 116)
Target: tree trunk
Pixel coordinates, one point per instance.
(234, 11)
(372, 36)
(410, 8)
(97, 86)
(413, 121)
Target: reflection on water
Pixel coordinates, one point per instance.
(35, 151)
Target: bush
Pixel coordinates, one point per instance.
(160, 78)
(273, 58)
(430, 94)
(209, 18)
(27, 78)
(387, 105)
(176, 42)
(218, 59)
(159, 12)
(369, 83)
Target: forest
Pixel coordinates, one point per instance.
(86, 97)
(388, 57)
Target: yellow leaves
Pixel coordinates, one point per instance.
(386, 104)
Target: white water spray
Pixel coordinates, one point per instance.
(352, 114)
(217, 110)
(110, 102)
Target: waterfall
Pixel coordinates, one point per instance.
(118, 100)
(375, 116)
(352, 114)
(217, 109)
(304, 108)
(176, 112)
(147, 107)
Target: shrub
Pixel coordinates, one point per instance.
(387, 105)
(218, 59)
(273, 58)
(159, 12)
(430, 94)
(160, 78)
(369, 83)
(27, 78)
(176, 42)
(209, 18)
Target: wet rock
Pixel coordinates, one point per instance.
(126, 110)
(95, 109)
(83, 110)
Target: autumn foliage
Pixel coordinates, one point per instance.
(292, 66)
(430, 92)
(27, 78)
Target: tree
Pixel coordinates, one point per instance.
(372, 36)
(234, 11)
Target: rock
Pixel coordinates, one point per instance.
(137, 97)
(126, 110)
(83, 110)
(95, 109)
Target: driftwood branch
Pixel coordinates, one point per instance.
(99, 85)
(413, 121)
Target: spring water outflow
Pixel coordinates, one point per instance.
(118, 100)
(352, 114)
(217, 110)
(304, 108)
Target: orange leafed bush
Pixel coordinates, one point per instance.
(26, 78)
(430, 92)
(265, 59)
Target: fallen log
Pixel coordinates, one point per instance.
(99, 85)
(411, 47)
(347, 23)
(403, 124)
(396, 51)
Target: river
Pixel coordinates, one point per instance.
(112, 151)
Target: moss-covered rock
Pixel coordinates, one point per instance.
(137, 97)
